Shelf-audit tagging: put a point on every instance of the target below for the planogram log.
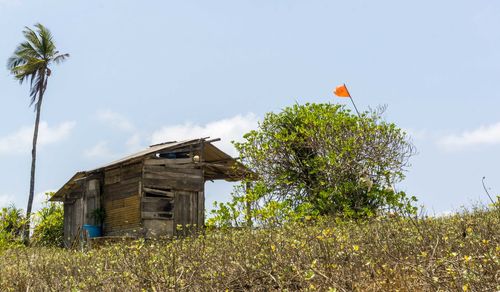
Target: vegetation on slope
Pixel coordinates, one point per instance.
(459, 252)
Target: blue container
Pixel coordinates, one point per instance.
(94, 231)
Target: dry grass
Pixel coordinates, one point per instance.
(456, 253)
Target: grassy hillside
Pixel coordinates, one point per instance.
(460, 252)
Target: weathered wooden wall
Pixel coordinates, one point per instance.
(122, 199)
(173, 192)
(92, 200)
(73, 214)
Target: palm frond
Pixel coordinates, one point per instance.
(14, 61)
(28, 67)
(46, 40)
(27, 49)
(60, 58)
(31, 37)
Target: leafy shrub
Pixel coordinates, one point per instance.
(319, 159)
(12, 222)
(49, 224)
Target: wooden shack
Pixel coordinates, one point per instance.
(149, 193)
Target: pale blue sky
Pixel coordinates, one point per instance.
(141, 72)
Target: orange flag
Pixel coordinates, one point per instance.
(341, 91)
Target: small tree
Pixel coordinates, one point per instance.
(320, 159)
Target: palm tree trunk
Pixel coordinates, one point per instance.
(33, 158)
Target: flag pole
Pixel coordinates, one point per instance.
(350, 97)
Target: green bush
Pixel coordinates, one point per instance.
(319, 159)
(49, 224)
(12, 222)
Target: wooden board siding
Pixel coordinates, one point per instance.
(201, 209)
(122, 199)
(73, 219)
(185, 211)
(69, 222)
(92, 200)
(169, 177)
(173, 189)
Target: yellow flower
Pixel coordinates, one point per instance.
(467, 258)
(465, 287)
(355, 247)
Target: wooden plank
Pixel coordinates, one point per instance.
(186, 210)
(171, 175)
(178, 184)
(132, 180)
(131, 171)
(172, 168)
(122, 190)
(108, 180)
(158, 192)
(119, 188)
(116, 175)
(201, 208)
(166, 161)
(68, 223)
(112, 176)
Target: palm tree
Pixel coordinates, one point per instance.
(30, 62)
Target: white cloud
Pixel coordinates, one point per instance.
(484, 135)
(99, 151)
(6, 200)
(134, 143)
(115, 120)
(20, 141)
(227, 129)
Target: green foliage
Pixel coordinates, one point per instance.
(387, 253)
(12, 222)
(99, 215)
(32, 58)
(49, 228)
(319, 159)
